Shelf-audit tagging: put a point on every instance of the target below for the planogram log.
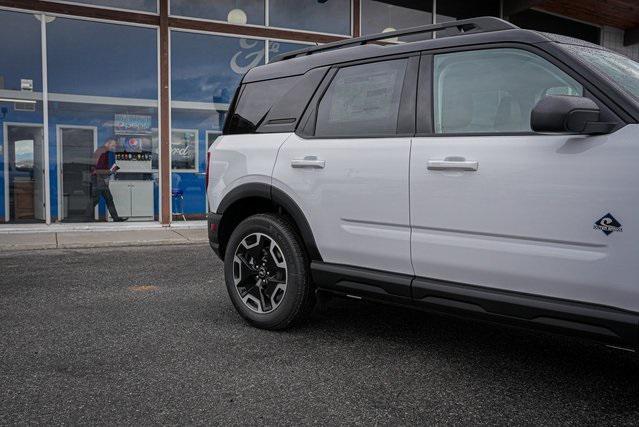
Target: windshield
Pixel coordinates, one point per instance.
(621, 70)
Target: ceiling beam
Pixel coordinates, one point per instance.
(631, 36)
(512, 7)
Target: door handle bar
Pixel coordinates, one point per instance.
(308, 162)
(464, 165)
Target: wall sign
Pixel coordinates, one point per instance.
(184, 150)
(247, 58)
(132, 124)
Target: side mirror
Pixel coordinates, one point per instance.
(568, 114)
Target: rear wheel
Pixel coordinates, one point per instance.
(266, 272)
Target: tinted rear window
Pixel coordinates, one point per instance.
(255, 100)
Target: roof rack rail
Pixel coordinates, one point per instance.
(482, 24)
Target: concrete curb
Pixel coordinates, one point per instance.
(100, 239)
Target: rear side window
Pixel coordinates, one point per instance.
(362, 100)
(255, 100)
(493, 90)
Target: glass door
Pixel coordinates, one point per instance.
(26, 173)
(76, 147)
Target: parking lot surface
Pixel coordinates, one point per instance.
(149, 336)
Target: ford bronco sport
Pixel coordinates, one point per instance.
(491, 173)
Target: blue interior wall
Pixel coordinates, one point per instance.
(193, 184)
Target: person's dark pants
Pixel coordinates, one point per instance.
(96, 193)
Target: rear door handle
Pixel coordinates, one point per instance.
(453, 164)
(308, 162)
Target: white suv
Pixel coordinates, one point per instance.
(491, 174)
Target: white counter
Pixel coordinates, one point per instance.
(133, 198)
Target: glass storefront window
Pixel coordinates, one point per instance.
(103, 119)
(453, 10)
(202, 86)
(276, 48)
(22, 58)
(232, 11)
(150, 6)
(384, 16)
(332, 16)
(22, 148)
(208, 68)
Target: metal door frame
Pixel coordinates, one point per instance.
(5, 153)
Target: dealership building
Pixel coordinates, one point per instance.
(154, 79)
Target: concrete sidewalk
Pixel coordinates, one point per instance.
(101, 238)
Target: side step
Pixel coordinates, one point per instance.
(599, 323)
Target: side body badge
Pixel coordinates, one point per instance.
(608, 224)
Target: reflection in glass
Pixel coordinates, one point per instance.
(206, 68)
(21, 57)
(385, 16)
(623, 71)
(231, 11)
(23, 154)
(99, 59)
(103, 121)
(22, 188)
(332, 16)
(202, 86)
(276, 48)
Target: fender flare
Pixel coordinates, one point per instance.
(243, 191)
(279, 198)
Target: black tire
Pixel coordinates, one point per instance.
(298, 298)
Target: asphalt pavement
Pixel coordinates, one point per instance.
(147, 335)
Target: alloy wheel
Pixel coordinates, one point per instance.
(259, 273)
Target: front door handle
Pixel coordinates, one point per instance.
(453, 163)
(308, 162)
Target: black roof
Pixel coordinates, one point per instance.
(471, 31)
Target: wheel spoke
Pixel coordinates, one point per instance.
(279, 289)
(255, 301)
(245, 289)
(245, 263)
(276, 255)
(246, 281)
(275, 279)
(260, 291)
